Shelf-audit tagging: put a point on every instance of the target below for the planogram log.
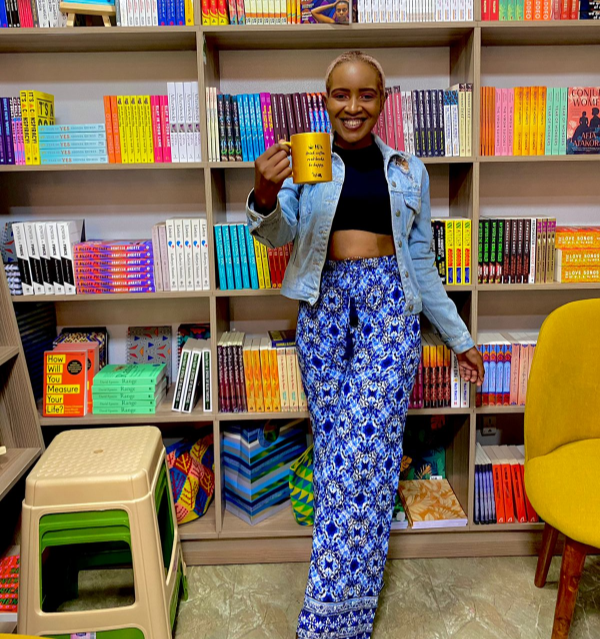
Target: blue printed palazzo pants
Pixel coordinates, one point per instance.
(358, 356)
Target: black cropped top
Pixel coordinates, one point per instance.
(364, 203)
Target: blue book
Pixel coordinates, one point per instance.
(242, 120)
(171, 13)
(3, 16)
(162, 12)
(477, 494)
(499, 371)
(507, 367)
(82, 160)
(180, 12)
(55, 129)
(228, 256)
(247, 134)
(73, 153)
(492, 370)
(490, 482)
(486, 365)
(259, 124)
(243, 255)
(253, 126)
(220, 257)
(251, 258)
(91, 145)
(235, 253)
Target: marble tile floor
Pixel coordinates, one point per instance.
(486, 598)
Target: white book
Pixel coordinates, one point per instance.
(193, 383)
(204, 254)
(42, 14)
(455, 389)
(69, 234)
(447, 130)
(272, 12)
(290, 356)
(462, 9)
(368, 11)
(439, 10)
(455, 130)
(23, 258)
(446, 10)
(35, 262)
(196, 254)
(57, 270)
(389, 10)
(136, 18)
(180, 115)
(123, 12)
(158, 279)
(164, 257)
(131, 8)
(188, 254)
(172, 98)
(464, 393)
(155, 13)
(375, 10)
(533, 251)
(196, 123)
(149, 4)
(182, 375)
(361, 11)
(454, 10)
(180, 255)
(172, 255)
(469, 11)
(209, 125)
(45, 258)
(142, 9)
(188, 128)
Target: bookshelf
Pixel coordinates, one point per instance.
(118, 200)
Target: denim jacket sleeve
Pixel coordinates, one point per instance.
(437, 306)
(278, 227)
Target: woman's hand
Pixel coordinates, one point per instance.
(270, 171)
(470, 366)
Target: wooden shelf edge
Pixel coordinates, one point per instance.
(487, 410)
(153, 166)
(508, 159)
(507, 527)
(103, 297)
(14, 464)
(7, 353)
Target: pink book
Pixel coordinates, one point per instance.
(504, 124)
(523, 372)
(511, 120)
(498, 124)
(156, 137)
(398, 114)
(165, 128)
(241, 12)
(381, 126)
(390, 119)
(514, 375)
(267, 119)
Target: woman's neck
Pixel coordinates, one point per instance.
(367, 141)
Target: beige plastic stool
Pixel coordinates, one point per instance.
(100, 498)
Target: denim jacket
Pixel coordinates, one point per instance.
(304, 214)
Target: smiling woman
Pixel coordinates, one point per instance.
(362, 268)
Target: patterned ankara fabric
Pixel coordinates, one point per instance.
(301, 488)
(358, 357)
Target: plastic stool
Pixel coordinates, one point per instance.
(100, 499)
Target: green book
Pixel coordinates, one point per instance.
(555, 121)
(503, 10)
(520, 9)
(562, 149)
(549, 120)
(128, 410)
(480, 252)
(512, 10)
(129, 392)
(499, 251)
(142, 375)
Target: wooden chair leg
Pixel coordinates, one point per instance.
(570, 574)
(546, 552)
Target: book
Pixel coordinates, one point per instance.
(65, 384)
(431, 503)
(583, 120)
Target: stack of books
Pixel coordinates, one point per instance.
(114, 267)
(12, 149)
(259, 373)
(376, 11)
(244, 262)
(193, 382)
(540, 121)
(129, 389)
(507, 359)
(71, 144)
(577, 256)
(516, 250)
(500, 496)
(145, 129)
(452, 248)
(9, 589)
(431, 503)
(256, 466)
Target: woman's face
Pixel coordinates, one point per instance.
(341, 12)
(354, 102)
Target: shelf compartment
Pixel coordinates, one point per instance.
(552, 286)
(102, 297)
(281, 524)
(14, 464)
(7, 353)
(163, 415)
(503, 159)
(324, 36)
(553, 32)
(232, 417)
(204, 527)
(154, 166)
(425, 160)
(88, 39)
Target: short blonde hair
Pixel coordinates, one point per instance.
(357, 56)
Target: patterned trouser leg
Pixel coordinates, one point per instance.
(358, 356)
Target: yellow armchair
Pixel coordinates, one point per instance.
(562, 445)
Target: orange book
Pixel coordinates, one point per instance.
(426, 374)
(108, 120)
(275, 391)
(258, 387)
(483, 122)
(248, 374)
(65, 384)
(533, 120)
(541, 128)
(528, 10)
(530, 515)
(492, 120)
(265, 373)
(517, 485)
(498, 486)
(115, 129)
(93, 365)
(525, 137)
(514, 375)
(509, 509)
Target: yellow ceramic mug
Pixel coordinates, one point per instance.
(311, 157)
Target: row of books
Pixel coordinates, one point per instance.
(428, 122)
(438, 383)
(241, 127)
(256, 467)
(507, 358)
(259, 373)
(509, 10)
(577, 255)
(145, 129)
(243, 262)
(386, 11)
(9, 589)
(540, 121)
(516, 250)
(500, 495)
(193, 381)
(129, 13)
(451, 240)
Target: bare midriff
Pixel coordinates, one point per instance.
(352, 245)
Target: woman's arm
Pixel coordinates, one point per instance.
(316, 13)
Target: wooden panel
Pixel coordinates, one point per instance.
(202, 528)
(7, 353)
(100, 167)
(458, 460)
(14, 464)
(104, 297)
(559, 32)
(491, 159)
(282, 524)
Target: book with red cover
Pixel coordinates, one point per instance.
(509, 509)
(583, 120)
(498, 485)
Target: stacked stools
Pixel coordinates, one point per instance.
(97, 504)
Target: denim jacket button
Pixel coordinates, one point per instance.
(399, 243)
(405, 273)
(394, 184)
(410, 307)
(397, 213)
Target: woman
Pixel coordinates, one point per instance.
(362, 268)
(341, 15)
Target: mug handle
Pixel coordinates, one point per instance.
(285, 143)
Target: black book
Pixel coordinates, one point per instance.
(506, 277)
(480, 253)
(222, 133)
(416, 122)
(229, 127)
(441, 134)
(500, 252)
(237, 138)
